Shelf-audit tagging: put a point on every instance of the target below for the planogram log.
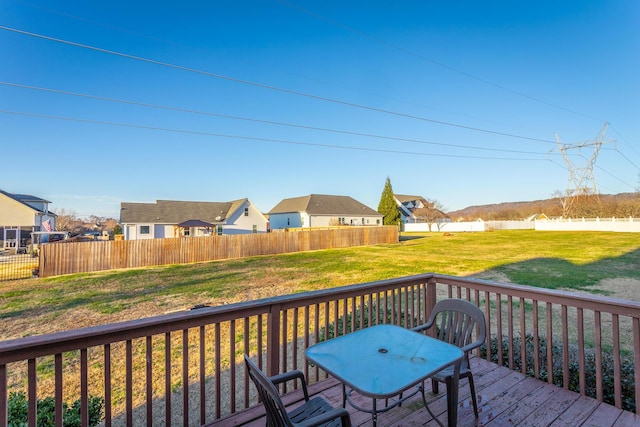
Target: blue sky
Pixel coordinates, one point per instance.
(458, 101)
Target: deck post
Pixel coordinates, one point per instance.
(431, 301)
(273, 340)
(4, 410)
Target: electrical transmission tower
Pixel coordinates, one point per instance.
(581, 187)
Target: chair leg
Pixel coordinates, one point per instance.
(434, 386)
(473, 395)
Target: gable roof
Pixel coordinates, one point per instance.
(24, 199)
(403, 198)
(176, 212)
(538, 216)
(319, 204)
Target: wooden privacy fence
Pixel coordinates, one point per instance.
(82, 257)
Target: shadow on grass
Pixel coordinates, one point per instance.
(114, 301)
(406, 238)
(555, 273)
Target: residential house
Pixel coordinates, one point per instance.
(417, 209)
(537, 217)
(317, 210)
(168, 218)
(20, 215)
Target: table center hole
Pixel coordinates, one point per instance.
(383, 350)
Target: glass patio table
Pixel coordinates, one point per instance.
(384, 361)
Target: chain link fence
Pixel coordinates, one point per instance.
(14, 265)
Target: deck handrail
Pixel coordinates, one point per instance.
(189, 362)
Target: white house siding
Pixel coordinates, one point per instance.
(321, 221)
(14, 213)
(136, 232)
(327, 220)
(129, 231)
(160, 231)
(286, 220)
(238, 223)
(305, 219)
(297, 220)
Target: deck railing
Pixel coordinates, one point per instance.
(186, 368)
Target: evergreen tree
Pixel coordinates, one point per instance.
(387, 205)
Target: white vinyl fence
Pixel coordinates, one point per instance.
(446, 227)
(623, 225)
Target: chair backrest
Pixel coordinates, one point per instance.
(456, 320)
(275, 409)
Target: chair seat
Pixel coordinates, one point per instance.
(448, 372)
(314, 407)
(313, 412)
(454, 321)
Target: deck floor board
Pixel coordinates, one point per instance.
(505, 398)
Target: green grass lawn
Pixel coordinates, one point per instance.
(583, 261)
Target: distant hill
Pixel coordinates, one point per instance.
(618, 205)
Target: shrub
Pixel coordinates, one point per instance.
(627, 379)
(18, 409)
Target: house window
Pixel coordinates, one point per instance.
(246, 211)
(219, 230)
(187, 231)
(377, 222)
(362, 221)
(288, 222)
(144, 229)
(255, 228)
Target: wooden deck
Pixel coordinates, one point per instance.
(505, 398)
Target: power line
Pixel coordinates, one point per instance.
(251, 138)
(625, 140)
(101, 24)
(270, 87)
(432, 61)
(170, 42)
(270, 122)
(627, 159)
(614, 177)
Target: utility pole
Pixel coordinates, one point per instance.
(581, 187)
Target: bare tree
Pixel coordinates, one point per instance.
(433, 212)
(564, 202)
(68, 221)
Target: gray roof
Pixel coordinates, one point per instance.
(25, 199)
(176, 212)
(318, 204)
(403, 198)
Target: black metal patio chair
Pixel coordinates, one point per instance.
(313, 412)
(455, 321)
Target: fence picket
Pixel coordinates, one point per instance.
(82, 257)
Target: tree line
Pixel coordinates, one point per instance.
(621, 205)
(69, 221)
